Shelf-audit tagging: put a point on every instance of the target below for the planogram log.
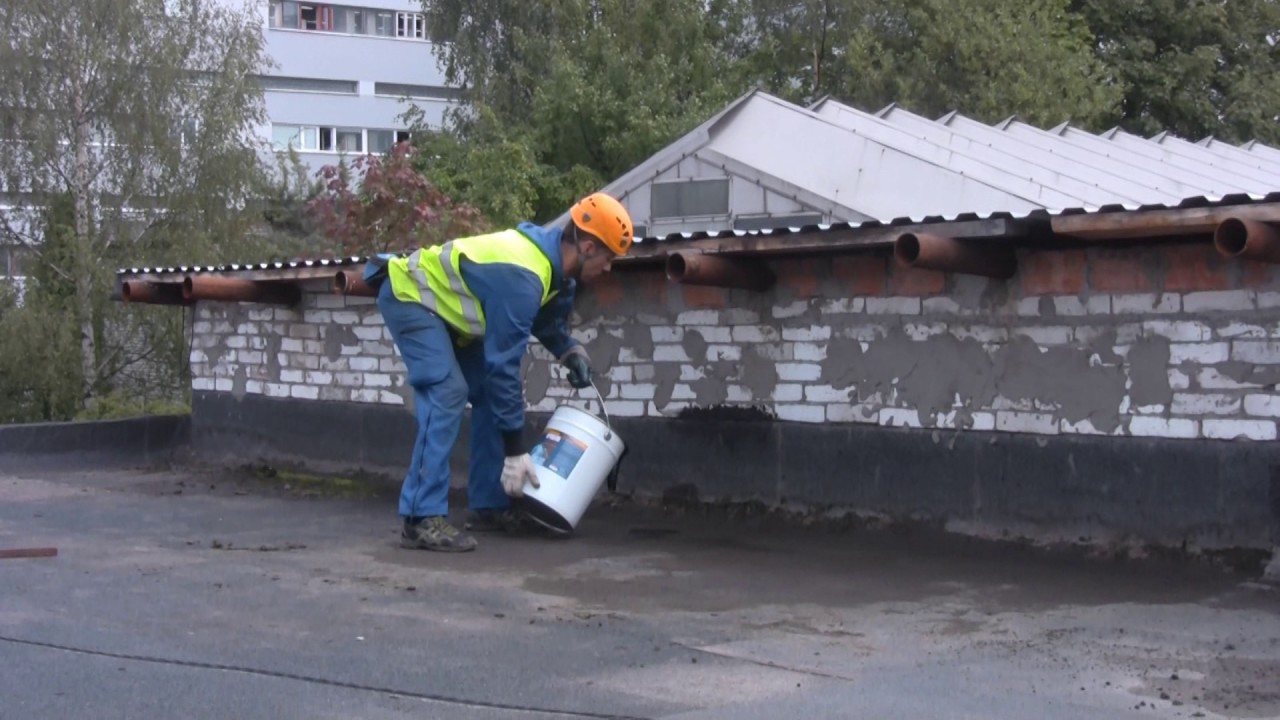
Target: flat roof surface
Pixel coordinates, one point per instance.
(208, 593)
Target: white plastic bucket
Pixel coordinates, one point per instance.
(574, 458)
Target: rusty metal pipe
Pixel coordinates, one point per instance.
(136, 291)
(350, 282)
(196, 287)
(935, 252)
(1248, 240)
(695, 268)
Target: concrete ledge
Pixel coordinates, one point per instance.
(1170, 493)
(143, 439)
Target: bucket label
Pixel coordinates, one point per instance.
(558, 452)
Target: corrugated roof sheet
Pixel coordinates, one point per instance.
(319, 266)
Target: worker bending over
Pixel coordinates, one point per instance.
(461, 315)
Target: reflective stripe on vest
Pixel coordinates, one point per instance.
(439, 285)
(469, 309)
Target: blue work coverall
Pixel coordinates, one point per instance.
(446, 375)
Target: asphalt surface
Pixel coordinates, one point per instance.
(207, 593)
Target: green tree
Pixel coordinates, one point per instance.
(568, 94)
(141, 114)
(989, 60)
(1193, 68)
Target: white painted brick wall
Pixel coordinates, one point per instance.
(1212, 338)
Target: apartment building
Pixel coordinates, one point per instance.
(345, 74)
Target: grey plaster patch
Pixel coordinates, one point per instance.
(758, 373)
(1243, 372)
(665, 376)
(240, 382)
(931, 374)
(603, 350)
(335, 337)
(1065, 377)
(1149, 372)
(639, 339)
(537, 378)
(1047, 308)
(272, 368)
(695, 346)
(968, 291)
(713, 388)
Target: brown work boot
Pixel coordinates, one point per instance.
(435, 533)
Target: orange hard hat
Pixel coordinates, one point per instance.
(606, 218)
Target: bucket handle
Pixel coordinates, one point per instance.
(603, 409)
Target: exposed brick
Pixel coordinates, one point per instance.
(329, 301)
(1190, 268)
(916, 282)
(1254, 274)
(941, 306)
(754, 333)
(387, 397)
(1262, 405)
(1224, 429)
(698, 317)
(1177, 330)
(1218, 300)
(670, 353)
(1163, 427)
(319, 377)
(801, 413)
(1056, 272)
(642, 391)
(201, 383)
(802, 372)
(982, 421)
(1205, 404)
(1262, 352)
(843, 305)
(812, 352)
(1119, 270)
(291, 376)
(826, 394)
(791, 309)
(777, 352)
(1212, 379)
(800, 277)
(377, 380)
(787, 392)
(1145, 304)
(893, 306)
(861, 275)
(1200, 353)
(666, 334)
(607, 292)
(1026, 422)
(304, 392)
(900, 417)
(365, 332)
(1047, 335)
(807, 334)
(714, 334)
(844, 412)
(346, 317)
(698, 296)
(1242, 330)
(728, 353)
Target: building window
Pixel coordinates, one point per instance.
(347, 19)
(292, 84)
(416, 92)
(689, 198)
(284, 137)
(410, 25)
(13, 260)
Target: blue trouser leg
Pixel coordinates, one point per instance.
(484, 481)
(440, 396)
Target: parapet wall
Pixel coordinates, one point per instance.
(1171, 342)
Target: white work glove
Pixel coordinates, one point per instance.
(515, 470)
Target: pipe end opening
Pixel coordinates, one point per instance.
(188, 288)
(907, 249)
(677, 266)
(1231, 237)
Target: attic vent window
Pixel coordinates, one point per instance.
(689, 198)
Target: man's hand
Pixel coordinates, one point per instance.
(515, 470)
(579, 371)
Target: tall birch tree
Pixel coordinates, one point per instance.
(130, 125)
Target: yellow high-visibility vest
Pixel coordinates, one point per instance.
(432, 276)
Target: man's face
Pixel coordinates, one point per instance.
(596, 261)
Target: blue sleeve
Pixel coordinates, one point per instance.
(510, 297)
(551, 327)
